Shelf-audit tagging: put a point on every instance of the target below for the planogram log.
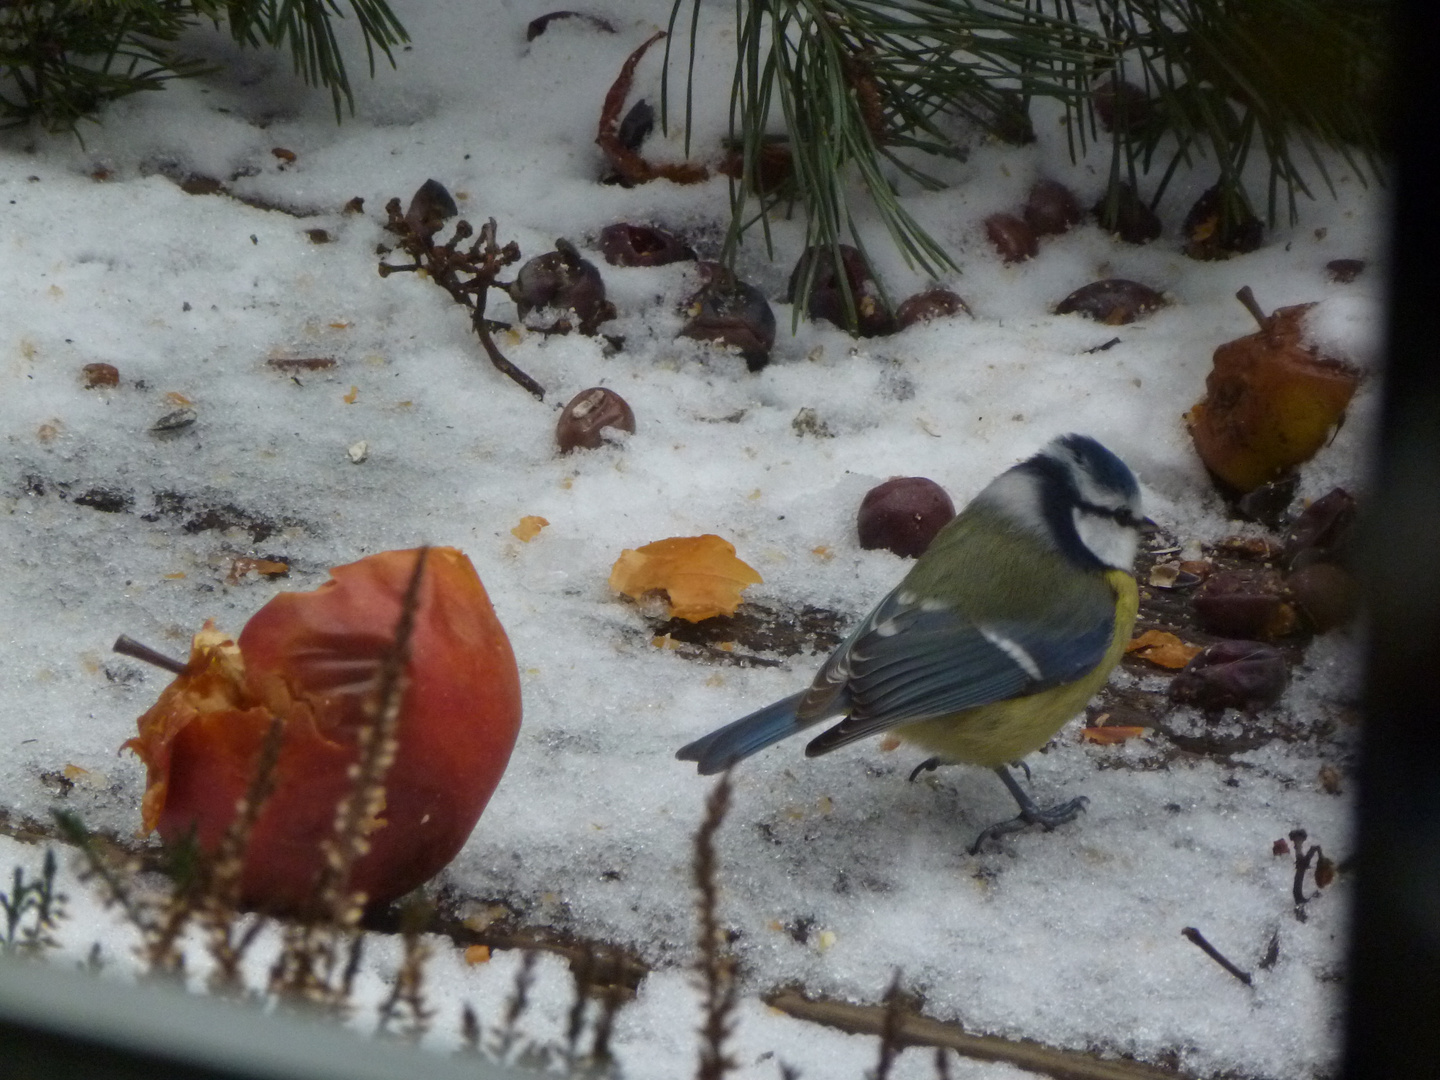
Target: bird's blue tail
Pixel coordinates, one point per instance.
(739, 739)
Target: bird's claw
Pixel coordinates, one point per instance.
(1047, 819)
(930, 764)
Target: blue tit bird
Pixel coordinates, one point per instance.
(1003, 630)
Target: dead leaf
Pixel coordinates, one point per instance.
(244, 564)
(1163, 649)
(1110, 736)
(352, 396)
(699, 574)
(529, 528)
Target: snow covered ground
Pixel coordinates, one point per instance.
(835, 871)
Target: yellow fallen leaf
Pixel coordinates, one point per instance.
(477, 954)
(699, 574)
(352, 396)
(1162, 649)
(529, 528)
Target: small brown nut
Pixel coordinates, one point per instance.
(96, 375)
(903, 515)
(583, 420)
(1011, 237)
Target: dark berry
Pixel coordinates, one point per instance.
(903, 515)
(641, 245)
(583, 421)
(1245, 675)
(931, 304)
(732, 312)
(1114, 301)
(827, 295)
(1011, 237)
(1051, 208)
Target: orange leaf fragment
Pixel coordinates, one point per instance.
(1109, 736)
(352, 396)
(1162, 649)
(529, 528)
(700, 575)
(477, 954)
(244, 564)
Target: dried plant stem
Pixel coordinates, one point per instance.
(307, 968)
(717, 966)
(916, 1030)
(467, 275)
(407, 996)
(890, 1044)
(222, 895)
(1196, 938)
(125, 645)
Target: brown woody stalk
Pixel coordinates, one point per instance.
(466, 275)
(307, 968)
(717, 966)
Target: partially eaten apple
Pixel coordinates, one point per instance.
(313, 661)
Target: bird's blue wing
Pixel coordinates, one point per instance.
(921, 659)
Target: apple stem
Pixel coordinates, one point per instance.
(128, 646)
(1246, 297)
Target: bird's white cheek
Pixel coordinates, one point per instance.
(1109, 541)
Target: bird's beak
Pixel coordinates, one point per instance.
(1149, 526)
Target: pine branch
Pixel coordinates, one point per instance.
(868, 89)
(62, 61)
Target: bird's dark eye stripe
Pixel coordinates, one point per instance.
(1123, 514)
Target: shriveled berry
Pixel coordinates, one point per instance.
(1344, 271)
(1122, 212)
(1323, 527)
(636, 125)
(429, 207)
(563, 280)
(1326, 592)
(1011, 237)
(931, 304)
(1211, 234)
(903, 515)
(97, 375)
(584, 419)
(1245, 604)
(827, 295)
(1114, 301)
(1051, 208)
(732, 312)
(624, 244)
(542, 23)
(1245, 675)
(1121, 106)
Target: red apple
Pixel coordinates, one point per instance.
(312, 660)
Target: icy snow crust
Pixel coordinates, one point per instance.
(835, 871)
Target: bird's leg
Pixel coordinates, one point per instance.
(930, 764)
(1030, 814)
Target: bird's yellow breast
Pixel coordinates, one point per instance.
(1005, 731)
